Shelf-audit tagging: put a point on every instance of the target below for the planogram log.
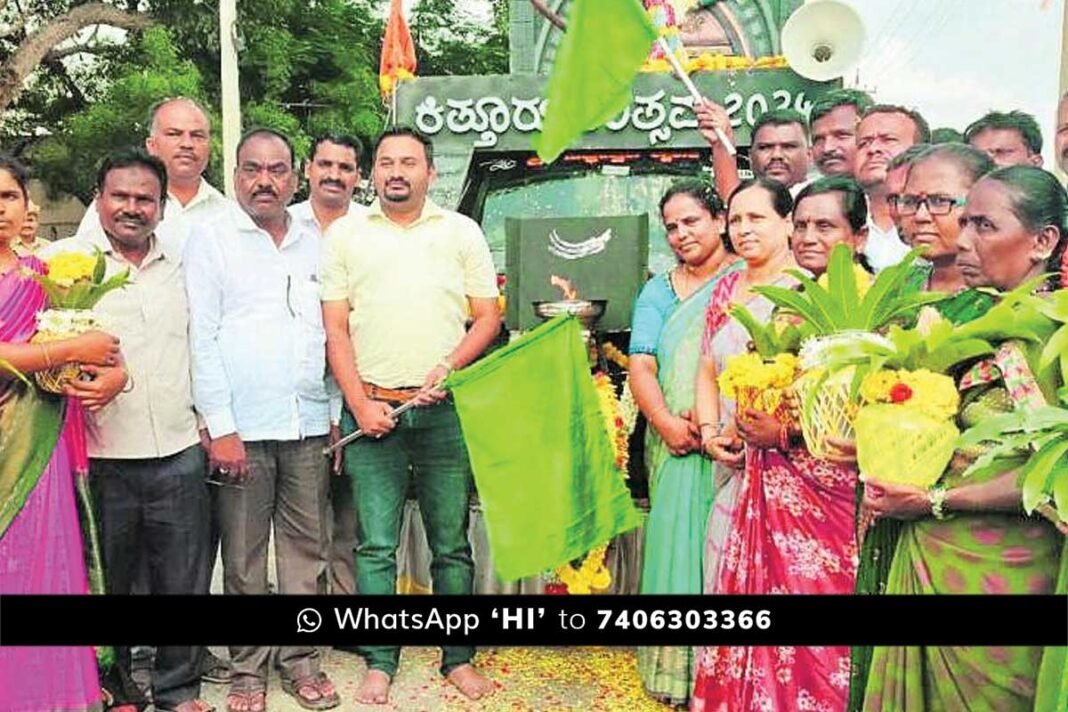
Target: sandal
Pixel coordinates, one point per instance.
(254, 700)
(194, 705)
(327, 697)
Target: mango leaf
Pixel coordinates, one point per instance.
(759, 332)
(1039, 472)
(992, 429)
(117, 281)
(78, 294)
(990, 463)
(822, 301)
(99, 268)
(56, 294)
(950, 354)
(1060, 489)
(1055, 348)
(842, 283)
(794, 302)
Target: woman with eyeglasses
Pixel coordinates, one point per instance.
(930, 207)
(969, 535)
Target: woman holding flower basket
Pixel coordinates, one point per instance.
(967, 533)
(42, 440)
(793, 523)
(667, 329)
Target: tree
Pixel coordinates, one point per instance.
(306, 67)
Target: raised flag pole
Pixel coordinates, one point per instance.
(685, 78)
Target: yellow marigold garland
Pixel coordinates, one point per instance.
(615, 424)
(591, 575)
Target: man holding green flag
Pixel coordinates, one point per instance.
(604, 46)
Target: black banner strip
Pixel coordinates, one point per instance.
(534, 620)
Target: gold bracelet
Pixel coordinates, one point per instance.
(47, 356)
(937, 498)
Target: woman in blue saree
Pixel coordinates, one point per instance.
(665, 342)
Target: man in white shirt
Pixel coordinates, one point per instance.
(147, 468)
(332, 172)
(884, 131)
(258, 351)
(180, 136)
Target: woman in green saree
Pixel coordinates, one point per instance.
(665, 340)
(971, 535)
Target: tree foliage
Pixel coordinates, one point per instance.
(306, 67)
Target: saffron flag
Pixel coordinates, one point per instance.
(398, 51)
(543, 462)
(604, 46)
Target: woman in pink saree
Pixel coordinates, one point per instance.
(42, 447)
(791, 528)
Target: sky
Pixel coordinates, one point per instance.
(954, 60)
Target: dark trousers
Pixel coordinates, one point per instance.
(427, 445)
(158, 509)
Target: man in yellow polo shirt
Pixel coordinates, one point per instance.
(396, 285)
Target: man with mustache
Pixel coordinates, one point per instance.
(146, 469)
(333, 172)
(397, 283)
(833, 125)
(256, 331)
(1010, 139)
(179, 134)
(884, 132)
(780, 148)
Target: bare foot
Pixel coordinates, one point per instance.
(471, 682)
(374, 690)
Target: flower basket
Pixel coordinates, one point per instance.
(828, 410)
(760, 384)
(903, 444)
(828, 405)
(56, 325)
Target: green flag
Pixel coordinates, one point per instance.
(602, 50)
(543, 463)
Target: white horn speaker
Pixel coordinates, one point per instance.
(822, 39)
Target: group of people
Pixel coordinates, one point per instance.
(740, 506)
(250, 332)
(253, 333)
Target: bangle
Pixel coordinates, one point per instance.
(702, 426)
(784, 438)
(657, 411)
(937, 497)
(447, 364)
(47, 356)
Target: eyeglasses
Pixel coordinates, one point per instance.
(936, 204)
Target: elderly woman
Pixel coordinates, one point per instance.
(971, 535)
(43, 444)
(666, 333)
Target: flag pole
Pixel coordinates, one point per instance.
(685, 78)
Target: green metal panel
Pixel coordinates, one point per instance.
(610, 266)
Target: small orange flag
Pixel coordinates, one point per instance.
(398, 51)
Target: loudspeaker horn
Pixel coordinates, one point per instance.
(823, 39)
